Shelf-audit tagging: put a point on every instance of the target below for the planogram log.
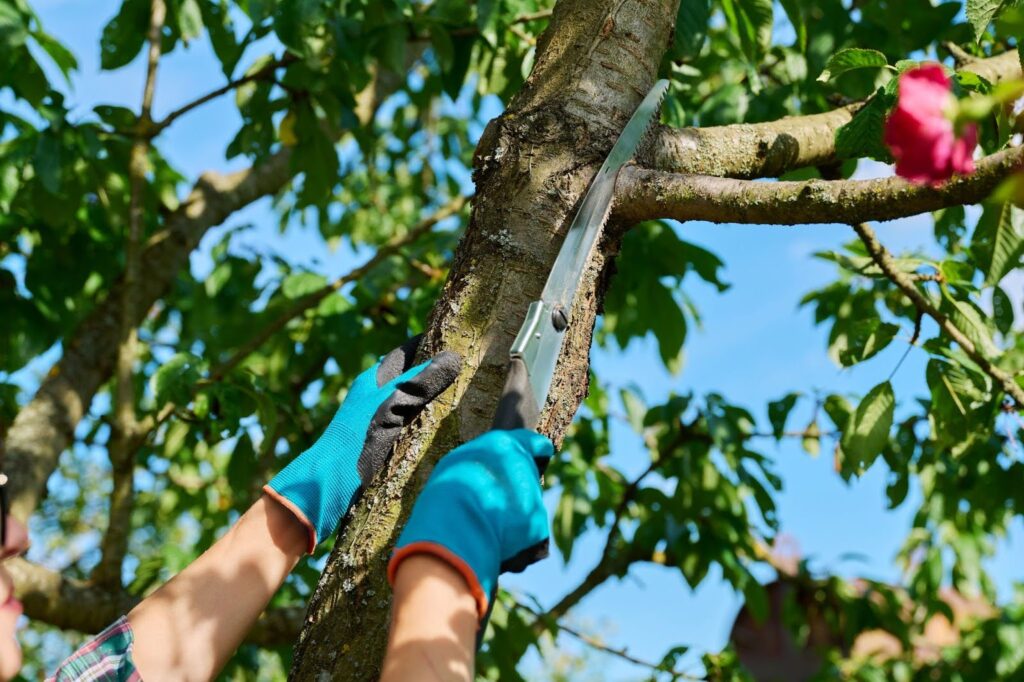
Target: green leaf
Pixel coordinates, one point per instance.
(444, 50)
(217, 19)
(391, 49)
(811, 441)
(752, 21)
(868, 430)
(796, 18)
(998, 241)
(190, 20)
(13, 28)
(298, 284)
(636, 410)
(980, 14)
(838, 410)
(778, 412)
(124, 35)
(851, 59)
(862, 340)
(172, 382)
(46, 162)
(60, 55)
(669, 325)
(147, 572)
(242, 464)
(453, 79)
(118, 118)
(1002, 311)
(692, 27)
(862, 136)
(966, 317)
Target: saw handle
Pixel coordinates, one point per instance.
(517, 408)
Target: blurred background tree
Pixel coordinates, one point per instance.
(156, 370)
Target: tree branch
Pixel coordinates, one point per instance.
(67, 603)
(753, 150)
(643, 194)
(115, 541)
(150, 422)
(611, 560)
(594, 643)
(45, 426)
(157, 127)
(884, 260)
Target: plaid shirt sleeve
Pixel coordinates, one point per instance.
(105, 658)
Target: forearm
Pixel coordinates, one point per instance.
(189, 628)
(433, 626)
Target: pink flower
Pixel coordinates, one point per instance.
(920, 133)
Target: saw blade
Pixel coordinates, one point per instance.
(539, 341)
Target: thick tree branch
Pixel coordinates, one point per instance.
(67, 603)
(45, 426)
(115, 540)
(884, 260)
(644, 194)
(753, 150)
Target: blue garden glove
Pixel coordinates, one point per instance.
(481, 511)
(319, 485)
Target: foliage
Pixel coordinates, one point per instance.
(299, 70)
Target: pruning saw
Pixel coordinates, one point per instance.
(538, 344)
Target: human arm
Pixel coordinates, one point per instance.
(188, 629)
(480, 514)
(433, 624)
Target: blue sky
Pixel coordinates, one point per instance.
(755, 346)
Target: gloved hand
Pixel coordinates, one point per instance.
(319, 485)
(481, 511)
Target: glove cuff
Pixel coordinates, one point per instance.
(318, 486)
(291, 506)
(449, 557)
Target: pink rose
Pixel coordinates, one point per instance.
(920, 133)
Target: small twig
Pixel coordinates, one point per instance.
(884, 259)
(960, 56)
(913, 342)
(522, 19)
(595, 643)
(268, 70)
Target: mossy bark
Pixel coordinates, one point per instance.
(596, 61)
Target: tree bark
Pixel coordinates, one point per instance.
(643, 194)
(595, 62)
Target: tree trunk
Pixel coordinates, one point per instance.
(595, 62)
